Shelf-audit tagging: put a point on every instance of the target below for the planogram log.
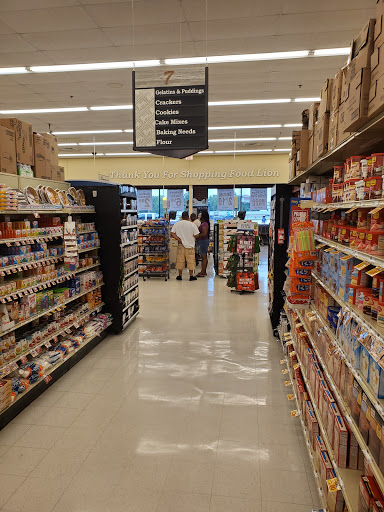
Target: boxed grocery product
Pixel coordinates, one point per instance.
(376, 377)
(313, 425)
(368, 493)
(24, 139)
(356, 401)
(340, 442)
(336, 91)
(374, 438)
(320, 137)
(330, 425)
(335, 499)
(325, 466)
(7, 151)
(353, 113)
(364, 417)
(362, 45)
(353, 452)
(319, 449)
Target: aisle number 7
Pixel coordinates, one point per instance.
(168, 74)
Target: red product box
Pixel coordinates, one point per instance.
(313, 426)
(308, 407)
(353, 452)
(319, 448)
(335, 500)
(333, 411)
(340, 442)
(378, 506)
(368, 493)
(325, 467)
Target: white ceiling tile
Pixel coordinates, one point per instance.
(46, 20)
(36, 58)
(217, 9)
(68, 39)
(11, 5)
(234, 28)
(14, 43)
(107, 15)
(147, 34)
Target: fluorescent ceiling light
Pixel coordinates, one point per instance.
(285, 138)
(205, 152)
(13, 71)
(244, 151)
(87, 132)
(129, 130)
(44, 110)
(293, 125)
(283, 150)
(114, 143)
(68, 144)
(242, 140)
(248, 57)
(94, 66)
(331, 52)
(306, 100)
(247, 102)
(246, 127)
(77, 154)
(126, 154)
(112, 107)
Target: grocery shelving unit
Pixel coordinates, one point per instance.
(154, 249)
(57, 323)
(361, 255)
(116, 222)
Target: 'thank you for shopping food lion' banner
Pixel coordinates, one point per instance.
(170, 110)
(144, 200)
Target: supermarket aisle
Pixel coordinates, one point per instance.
(187, 411)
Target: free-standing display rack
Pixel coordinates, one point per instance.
(116, 221)
(154, 249)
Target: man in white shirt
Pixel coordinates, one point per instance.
(185, 232)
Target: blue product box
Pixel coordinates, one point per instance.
(365, 360)
(376, 377)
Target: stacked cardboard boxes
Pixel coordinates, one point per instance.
(46, 156)
(7, 150)
(299, 152)
(321, 128)
(376, 91)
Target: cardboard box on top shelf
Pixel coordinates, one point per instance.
(305, 118)
(333, 129)
(310, 150)
(54, 148)
(320, 138)
(342, 134)
(42, 166)
(292, 167)
(303, 153)
(326, 97)
(57, 173)
(312, 117)
(336, 91)
(376, 92)
(362, 46)
(379, 26)
(355, 106)
(7, 151)
(24, 139)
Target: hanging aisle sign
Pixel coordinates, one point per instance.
(225, 199)
(258, 199)
(144, 200)
(175, 199)
(170, 111)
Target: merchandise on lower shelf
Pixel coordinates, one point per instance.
(153, 242)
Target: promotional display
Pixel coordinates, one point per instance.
(258, 199)
(175, 199)
(144, 200)
(170, 111)
(225, 199)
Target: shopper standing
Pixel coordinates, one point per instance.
(195, 220)
(185, 232)
(203, 242)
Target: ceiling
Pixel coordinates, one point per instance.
(83, 31)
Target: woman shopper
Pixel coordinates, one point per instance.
(203, 242)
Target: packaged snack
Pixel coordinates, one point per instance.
(377, 164)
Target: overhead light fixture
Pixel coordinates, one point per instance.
(247, 57)
(114, 143)
(112, 107)
(138, 153)
(248, 102)
(87, 132)
(242, 140)
(293, 125)
(44, 110)
(285, 138)
(95, 66)
(205, 152)
(244, 151)
(13, 71)
(245, 127)
(68, 144)
(78, 154)
(331, 52)
(283, 150)
(306, 100)
(129, 130)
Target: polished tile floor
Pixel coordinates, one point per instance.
(185, 411)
